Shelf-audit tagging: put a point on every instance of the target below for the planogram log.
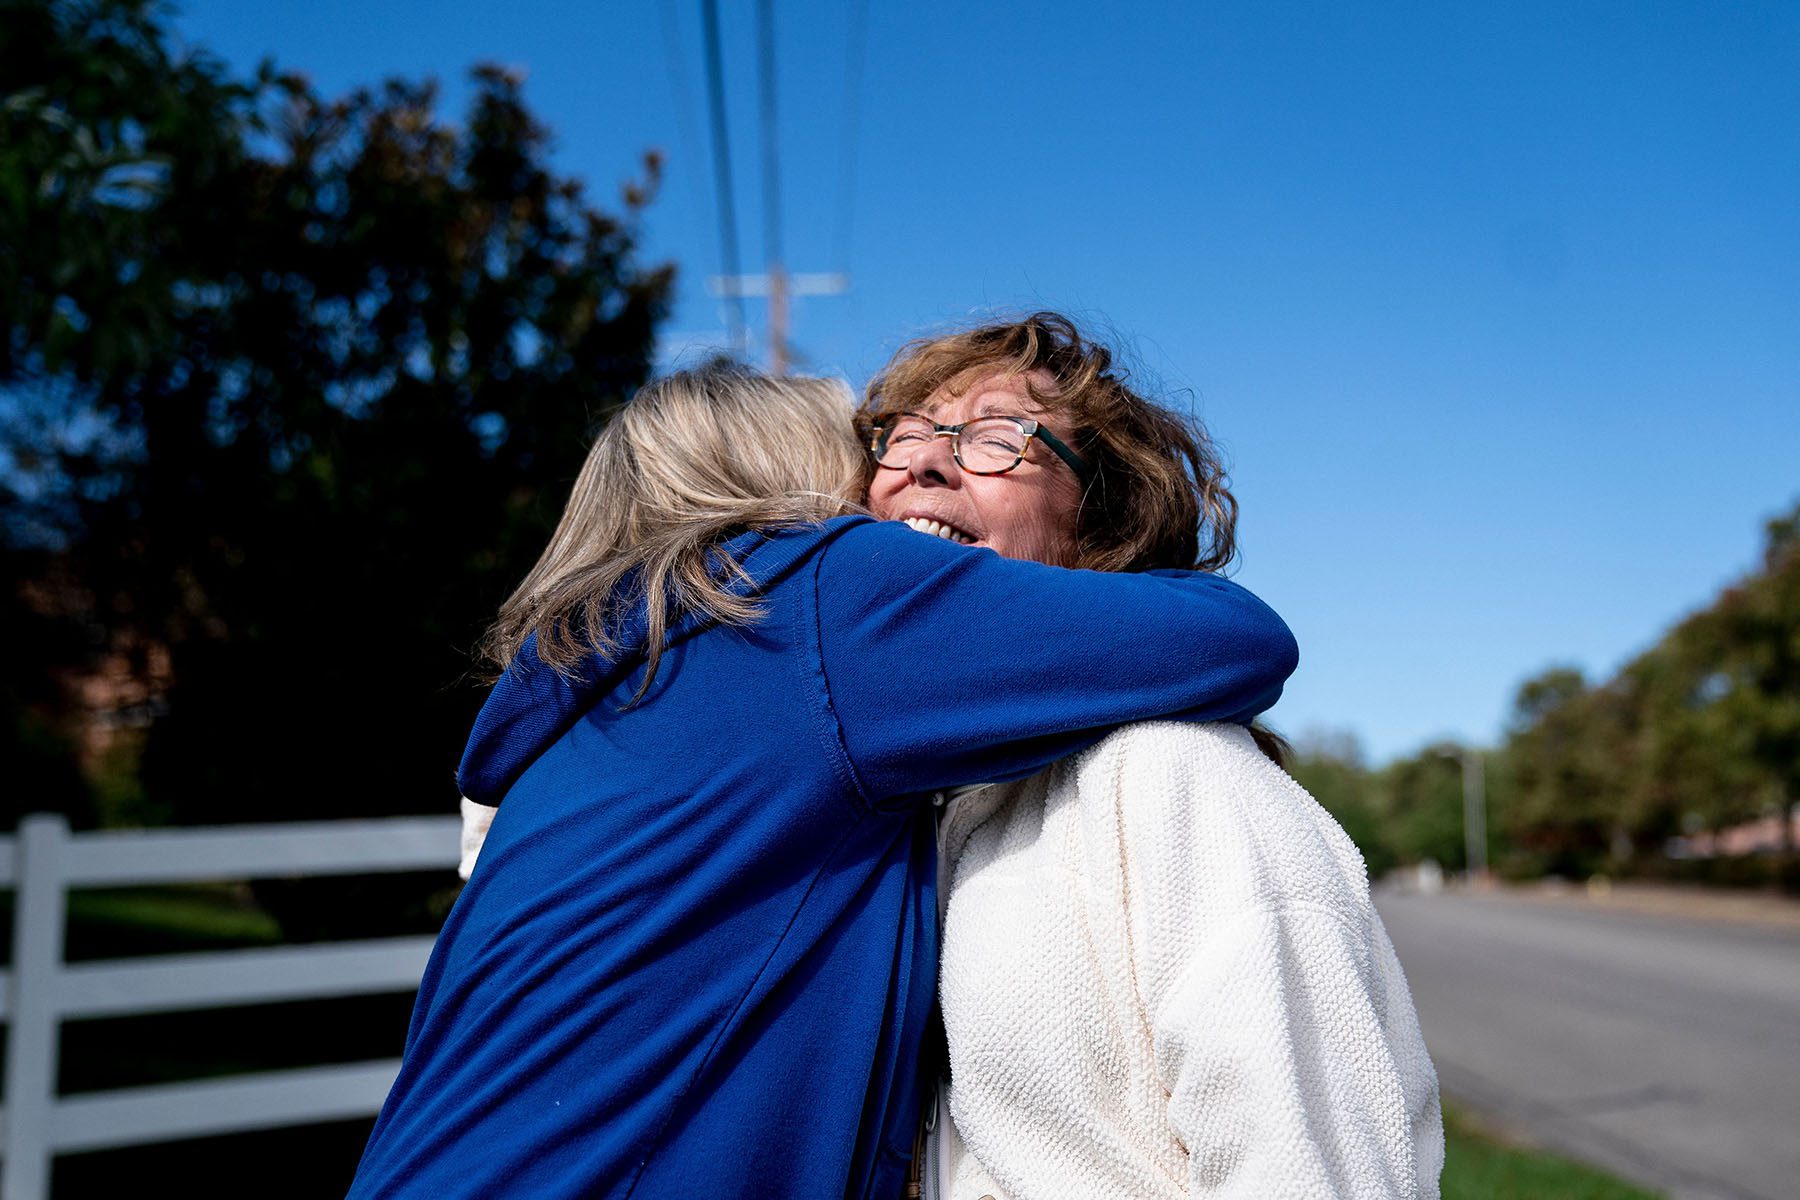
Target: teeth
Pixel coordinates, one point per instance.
(938, 529)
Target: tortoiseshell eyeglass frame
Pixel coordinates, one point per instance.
(1029, 427)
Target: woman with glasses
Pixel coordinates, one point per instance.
(697, 954)
(1161, 972)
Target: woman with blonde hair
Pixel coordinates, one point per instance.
(698, 953)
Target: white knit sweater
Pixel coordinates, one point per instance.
(1162, 976)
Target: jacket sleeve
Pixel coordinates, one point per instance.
(1281, 1025)
(946, 665)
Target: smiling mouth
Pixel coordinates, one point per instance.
(938, 529)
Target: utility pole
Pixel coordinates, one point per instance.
(778, 319)
(1474, 797)
(771, 159)
(774, 284)
(779, 288)
(1475, 814)
(721, 144)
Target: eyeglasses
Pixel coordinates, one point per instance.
(984, 446)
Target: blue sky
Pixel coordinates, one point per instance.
(1495, 308)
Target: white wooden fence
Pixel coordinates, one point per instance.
(41, 991)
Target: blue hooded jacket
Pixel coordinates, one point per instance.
(698, 954)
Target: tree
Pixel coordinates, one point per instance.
(1332, 769)
(1563, 759)
(293, 389)
(1424, 803)
(1749, 643)
(1694, 754)
(1700, 731)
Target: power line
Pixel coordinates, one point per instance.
(728, 243)
(771, 159)
(775, 283)
(687, 125)
(854, 51)
(765, 38)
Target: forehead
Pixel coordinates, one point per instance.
(983, 390)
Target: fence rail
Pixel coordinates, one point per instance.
(41, 991)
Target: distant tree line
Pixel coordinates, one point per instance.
(291, 391)
(1699, 733)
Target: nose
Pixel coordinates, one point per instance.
(933, 465)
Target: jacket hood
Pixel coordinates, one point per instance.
(533, 705)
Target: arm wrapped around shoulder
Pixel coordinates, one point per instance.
(1027, 663)
(1281, 1024)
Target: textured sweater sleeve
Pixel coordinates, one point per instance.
(947, 665)
(1281, 1026)
(475, 821)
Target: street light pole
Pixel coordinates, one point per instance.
(1474, 796)
(1475, 814)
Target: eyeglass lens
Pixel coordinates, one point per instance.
(988, 444)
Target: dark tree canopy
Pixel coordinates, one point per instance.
(292, 391)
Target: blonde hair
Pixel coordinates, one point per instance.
(694, 459)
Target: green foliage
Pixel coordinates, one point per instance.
(1404, 813)
(1698, 733)
(291, 390)
(1701, 731)
(1425, 807)
(116, 160)
(120, 922)
(1333, 771)
(1561, 813)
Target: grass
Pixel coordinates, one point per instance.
(127, 921)
(1480, 1166)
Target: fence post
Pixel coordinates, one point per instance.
(40, 907)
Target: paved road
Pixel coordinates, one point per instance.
(1667, 1051)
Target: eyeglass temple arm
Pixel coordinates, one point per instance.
(1077, 464)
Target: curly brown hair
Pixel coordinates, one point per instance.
(1158, 495)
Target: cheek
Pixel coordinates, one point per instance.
(884, 492)
(1065, 528)
(1043, 531)
(1055, 535)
